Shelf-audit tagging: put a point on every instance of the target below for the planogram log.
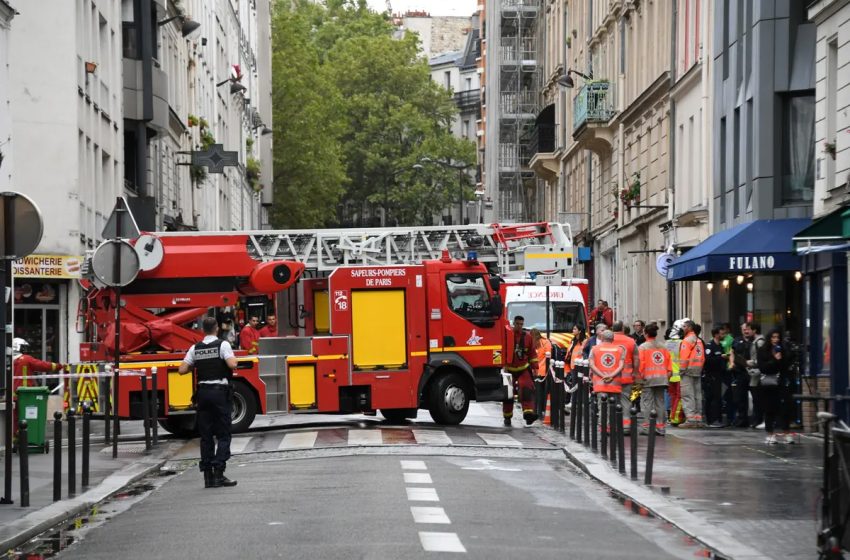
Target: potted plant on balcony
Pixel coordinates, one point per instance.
(631, 194)
(252, 173)
(192, 120)
(829, 148)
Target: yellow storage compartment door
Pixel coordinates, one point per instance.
(180, 389)
(378, 329)
(321, 312)
(302, 385)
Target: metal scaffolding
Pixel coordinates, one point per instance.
(519, 76)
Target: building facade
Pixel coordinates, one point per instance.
(7, 13)
(119, 91)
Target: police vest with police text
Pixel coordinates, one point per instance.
(208, 362)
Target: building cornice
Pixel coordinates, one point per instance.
(821, 10)
(656, 90)
(687, 81)
(7, 11)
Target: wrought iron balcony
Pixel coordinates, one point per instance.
(593, 104)
(468, 99)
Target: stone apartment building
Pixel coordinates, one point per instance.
(103, 95)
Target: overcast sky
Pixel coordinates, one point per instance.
(434, 7)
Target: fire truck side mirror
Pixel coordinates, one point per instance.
(496, 306)
(496, 283)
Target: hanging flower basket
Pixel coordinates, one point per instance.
(829, 148)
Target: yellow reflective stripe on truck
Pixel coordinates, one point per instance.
(456, 349)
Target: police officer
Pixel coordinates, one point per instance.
(214, 361)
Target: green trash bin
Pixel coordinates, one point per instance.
(32, 407)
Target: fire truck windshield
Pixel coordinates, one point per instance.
(563, 315)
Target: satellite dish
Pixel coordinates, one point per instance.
(115, 263)
(150, 251)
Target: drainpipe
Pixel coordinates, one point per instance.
(671, 214)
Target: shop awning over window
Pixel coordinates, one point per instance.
(757, 246)
(824, 235)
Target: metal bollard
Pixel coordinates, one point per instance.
(72, 453)
(146, 411)
(107, 409)
(586, 420)
(612, 426)
(57, 456)
(155, 407)
(573, 415)
(562, 391)
(23, 455)
(604, 427)
(594, 423)
(621, 443)
(86, 443)
(634, 442)
(553, 402)
(650, 448)
(579, 394)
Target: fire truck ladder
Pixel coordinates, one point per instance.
(499, 246)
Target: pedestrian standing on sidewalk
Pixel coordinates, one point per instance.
(593, 340)
(521, 367)
(542, 382)
(214, 361)
(726, 341)
(654, 370)
(755, 375)
(773, 365)
(631, 357)
(691, 361)
(606, 363)
(575, 353)
(715, 370)
(741, 378)
(638, 334)
(674, 388)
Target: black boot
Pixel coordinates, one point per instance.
(208, 478)
(220, 480)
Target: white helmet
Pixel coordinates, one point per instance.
(18, 344)
(678, 328)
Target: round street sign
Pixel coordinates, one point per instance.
(663, 262)
(21, 226)
(103, 263)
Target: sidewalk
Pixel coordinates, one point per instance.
(106, 476)
(728, 489)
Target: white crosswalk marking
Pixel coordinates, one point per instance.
(476, 409)
(441, 542)
(365, 437)
(417, 478)
(417, 494)
(431, 437)
(503, 440)
(429, 515)
(298, 440)
(414, 465)
(238, 444)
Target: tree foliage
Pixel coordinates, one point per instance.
(356, 106)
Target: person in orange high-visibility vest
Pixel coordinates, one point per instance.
(655, 366)
(522, 364)
(691, 362)
(606, 364)
(627, 378)
(542, 383)
(249, 336)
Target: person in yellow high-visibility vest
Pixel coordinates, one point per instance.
(674, 340)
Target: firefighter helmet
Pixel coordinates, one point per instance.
(678, 328)
(18, 345)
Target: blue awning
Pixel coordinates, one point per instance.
(757, 246)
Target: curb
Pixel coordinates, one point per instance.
(712, 537)
(18, 532)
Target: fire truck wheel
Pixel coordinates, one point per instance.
(244, 408)
(448, 399)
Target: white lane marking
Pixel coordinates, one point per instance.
(499, 439)
(365, 437)
(417, 494)
(430, 515)
(417, 478)
(238, 444)
(298, 440)
(441, 542)
(431, 437)
(414, 465)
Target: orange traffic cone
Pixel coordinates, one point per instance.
(547, 417)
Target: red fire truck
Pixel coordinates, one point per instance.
(368, 331)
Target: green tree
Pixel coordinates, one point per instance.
(309, 174)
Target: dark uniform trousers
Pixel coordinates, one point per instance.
(214, 408)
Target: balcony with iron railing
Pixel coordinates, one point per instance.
(468, 100)
(543, 145)
(593, 109)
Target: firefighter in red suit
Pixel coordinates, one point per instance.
(24, 366)
(523, 362)
(270, 330)
(249, 336)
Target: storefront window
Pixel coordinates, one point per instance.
(826, 318)
(37, 317)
